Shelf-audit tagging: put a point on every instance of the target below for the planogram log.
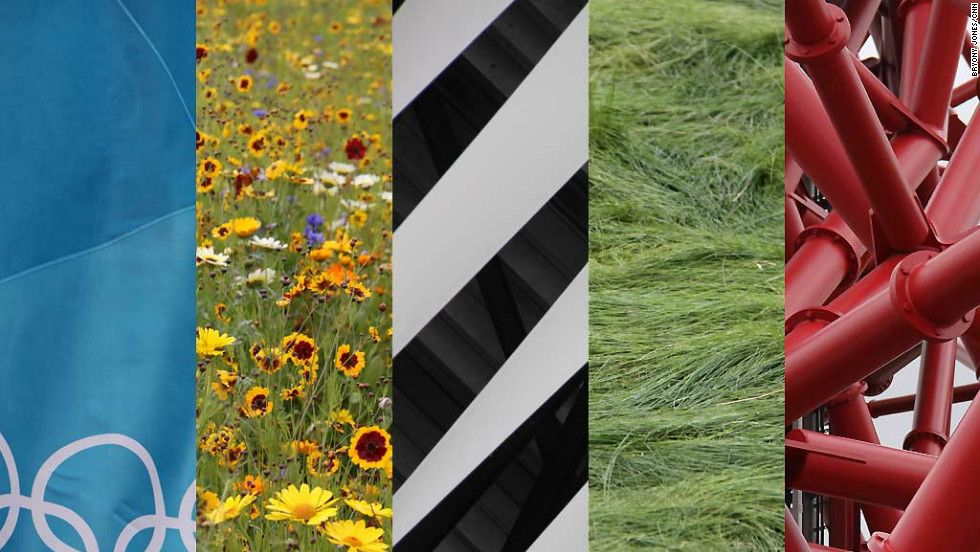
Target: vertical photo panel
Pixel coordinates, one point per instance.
(96, 276)
(883, 261)
(490, 248)
(294, 332)
(686, 293)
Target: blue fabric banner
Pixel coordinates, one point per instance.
(97, 277)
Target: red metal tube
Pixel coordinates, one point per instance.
(881, 380)
(822, 548)
(964, 92)
(809, 20)
(850, 418)
(971, 342)
(943, 514)
(933, 85)
(905, 403)
(962, 5)
(955, 205)
(916, 22)
(882, 99)
(816, 271)
(918, 154)
(837, 83)
(940, 288)
(793, 536)
(930, 423)
(811, 140)
(860, 14)
(794, 226)
(922, 296)
(845, 524)
(849, 469)
(870, 284)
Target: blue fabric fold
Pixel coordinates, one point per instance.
(97, 277)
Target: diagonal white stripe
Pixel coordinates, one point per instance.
(569, 532)
(553, 351)
(427, 35)
(525, 154)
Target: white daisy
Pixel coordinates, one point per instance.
(207, 255)
(342, 168)
(267, 243)
(353, 204)
(331, 178)
(366, 180)
(260, 277)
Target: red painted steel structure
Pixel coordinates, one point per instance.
(882, 268)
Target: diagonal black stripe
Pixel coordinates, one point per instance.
(434, 130)
(517, 491)
(395, 5)
(449, 362)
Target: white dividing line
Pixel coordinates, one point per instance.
(427, 35)
(524, 155)
(550, 355)
(569, 532)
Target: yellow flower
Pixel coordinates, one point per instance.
(219, 311)
(229, 509)
(267, 359)
(276, 169)
(244, 83)
(300, 348)
(245, 227)
(302, 119)
(204, 184)
(357, 537)
(342, 417)
(370, 447)
(257, 144)
(257, 403)
(311, 507)
(304, 447)
(292, 393)
(275, 27)
(210, 342)
(349, 362)
(357, 292)
(343, 115)
(225, 384)
(208, 500)
(358, 218)
(369, 509)
(209, 167)
(222, 232)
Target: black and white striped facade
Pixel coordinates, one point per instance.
(490, 283)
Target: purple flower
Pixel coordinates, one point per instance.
(260, 113)
(313, 237)
(314, 220)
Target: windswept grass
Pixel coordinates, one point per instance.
(686, 275)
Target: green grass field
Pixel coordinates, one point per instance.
(686, 275)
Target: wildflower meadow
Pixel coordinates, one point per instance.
(294, 275)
